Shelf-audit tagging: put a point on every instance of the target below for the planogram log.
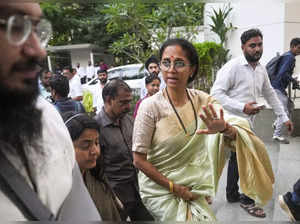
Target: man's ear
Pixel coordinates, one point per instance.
(243, 46)
(108, 100)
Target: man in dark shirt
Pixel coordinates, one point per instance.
(59, 86)
(116, 128)
(281, 81)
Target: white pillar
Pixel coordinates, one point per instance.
(92, 58)
(49, 63)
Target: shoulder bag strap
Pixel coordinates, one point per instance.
(18, 190)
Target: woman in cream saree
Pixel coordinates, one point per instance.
(181, 155)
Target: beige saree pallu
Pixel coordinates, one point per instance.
(197, 162)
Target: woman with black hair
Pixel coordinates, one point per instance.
(84, 132)
(152, 83)
(178, 144)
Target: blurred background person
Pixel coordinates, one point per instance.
(152, 83)
(76, 91)
(45, 76)
(59, 87)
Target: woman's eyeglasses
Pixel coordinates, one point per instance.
(177, 65)
(19, 28)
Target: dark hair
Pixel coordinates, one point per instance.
(101, 71)
(111, 88)
(73, 70)
(150, 78)
(294, 42)
(78, 122)
(60, 84)
(68, 68)
(188, 48)
(248, 34)
(150, 60)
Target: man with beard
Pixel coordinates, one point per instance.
(33, 137)
(76, 91)
(116, 128)
(239, 84)
(97, 90)
(152, 66)
(44, 84)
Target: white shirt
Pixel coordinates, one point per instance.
(81, 72)
(237, 84)
(97, 96)
(75, 87)
(90, 71)
(51, 164)
(144, 90)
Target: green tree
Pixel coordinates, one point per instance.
(210, 58)
(221, 27)
(129, 29)
(145, 26)
(77, 22)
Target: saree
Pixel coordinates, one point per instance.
(195, 161)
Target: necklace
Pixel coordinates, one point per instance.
(177, 115)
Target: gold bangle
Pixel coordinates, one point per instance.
(171, 186)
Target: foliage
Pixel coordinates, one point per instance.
(210, 60)
(129, 29)
(76, 22)
(221, 28)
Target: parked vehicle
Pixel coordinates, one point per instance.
(132, 74)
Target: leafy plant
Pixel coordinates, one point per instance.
(210, 59)
(221, 28)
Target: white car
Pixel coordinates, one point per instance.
(132, 74)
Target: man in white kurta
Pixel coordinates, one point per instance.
(41, 149)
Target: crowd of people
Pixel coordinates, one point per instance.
(162, 164)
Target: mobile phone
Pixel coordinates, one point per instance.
(260, 105)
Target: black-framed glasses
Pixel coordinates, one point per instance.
(19, 28)
(177, 65)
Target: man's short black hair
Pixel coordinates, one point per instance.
(60, 84)
(101, 71)
(150, 60)
(248, 34)
(294, 42)
(111, 88)
(68, 68)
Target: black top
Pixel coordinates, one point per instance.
(67, 104)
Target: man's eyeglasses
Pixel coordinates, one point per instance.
(19, 28)
(177, 65)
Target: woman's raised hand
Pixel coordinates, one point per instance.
(213, 123)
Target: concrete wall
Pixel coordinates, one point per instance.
(81, 56)
(279, 21)
(84, 55)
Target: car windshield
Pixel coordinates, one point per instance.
(127, 73)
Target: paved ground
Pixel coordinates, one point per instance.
(286, 166)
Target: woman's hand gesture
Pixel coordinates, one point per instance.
(213, 123)
(184, 193)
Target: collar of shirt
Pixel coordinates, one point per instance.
(106, 121)
(243, 61)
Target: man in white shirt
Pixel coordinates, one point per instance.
(239, 84)
(81, 73)
(152, 66)
(97, 91)
(76, 91)
(90, 71)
